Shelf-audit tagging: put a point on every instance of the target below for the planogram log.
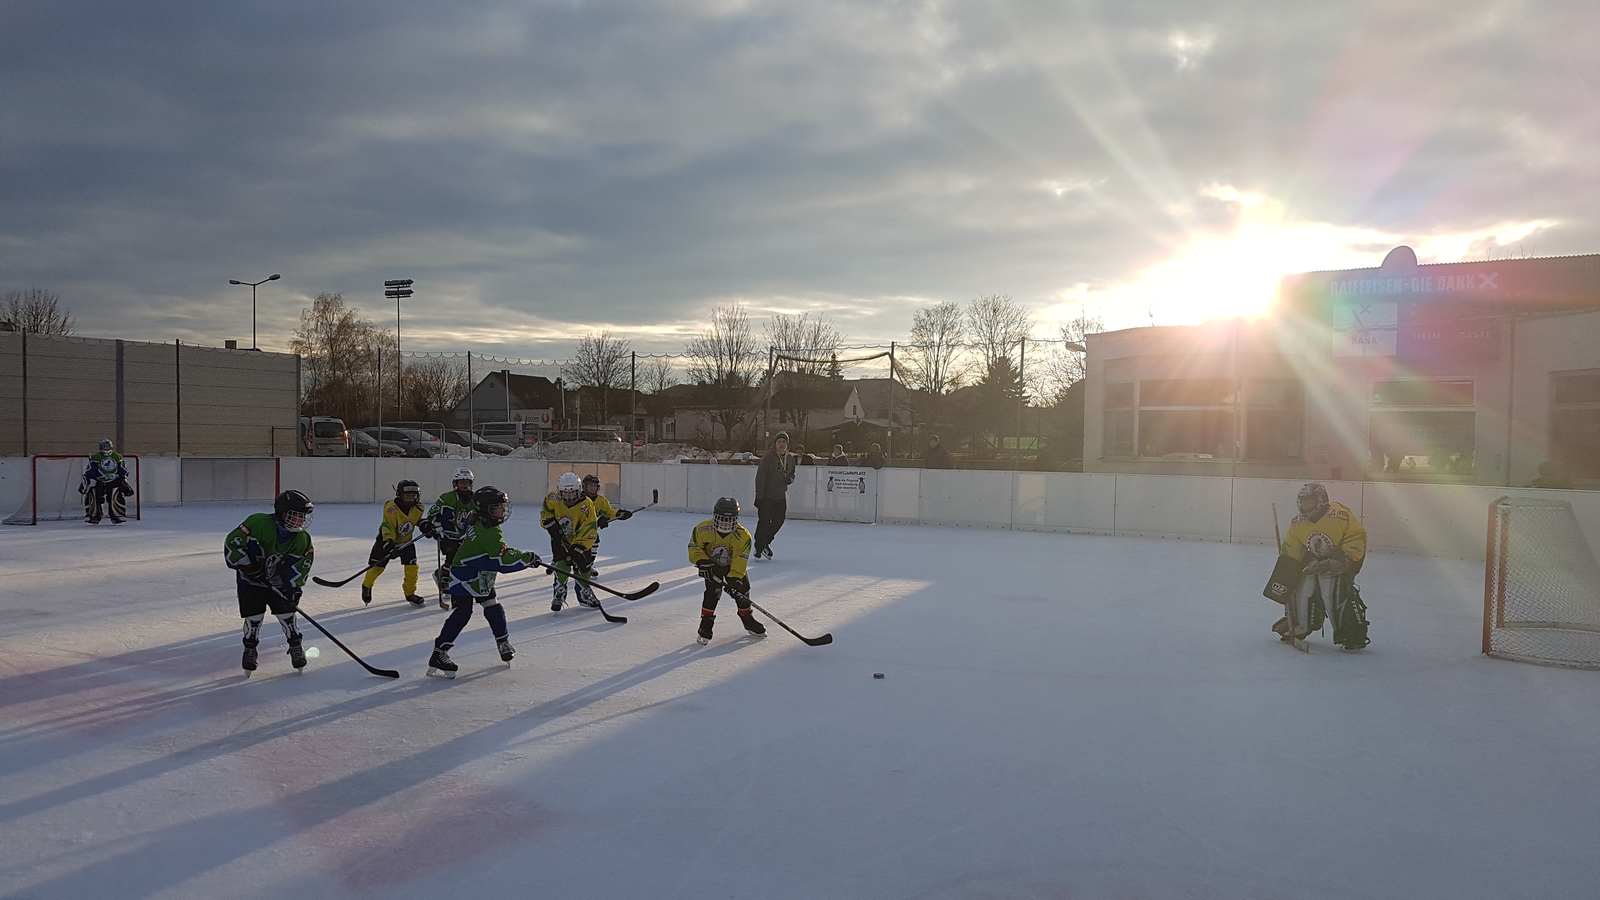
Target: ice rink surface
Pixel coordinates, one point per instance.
(1061, 717)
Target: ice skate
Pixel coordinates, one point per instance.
(366, 595)
(586, 597)
(560, 599)
(755, 628)
(297, 656)
(703, 636)
(439, 664)
(507, 652)
(249, 661)
(414, 600)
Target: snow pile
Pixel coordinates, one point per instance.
(608, 451)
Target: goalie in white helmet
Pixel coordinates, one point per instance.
(105, 486)
(574, 529)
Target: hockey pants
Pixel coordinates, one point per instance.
(379, 561)
(461, 614)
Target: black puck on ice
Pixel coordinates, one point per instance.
(877, 674)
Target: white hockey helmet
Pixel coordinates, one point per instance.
(569, 487)
(106, 445)
(461, 475)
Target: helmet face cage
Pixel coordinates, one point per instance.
(293, 510)
(725, 515)
(460, 476)
(568, 487)
(492, 505)
(106, 445)
(294, 520)
(1312, 497)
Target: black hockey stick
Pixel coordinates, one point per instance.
(814, 642)
(655, 497)
(326, 583)
(645, 591)
(387, 673)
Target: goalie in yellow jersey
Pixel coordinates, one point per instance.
(720, 548)
(1331, 543)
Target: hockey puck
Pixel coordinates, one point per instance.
(877, 674)
(312, 653)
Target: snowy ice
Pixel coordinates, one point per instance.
(1061, 716)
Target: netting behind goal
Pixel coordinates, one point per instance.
(53, 490)
(1541, 585)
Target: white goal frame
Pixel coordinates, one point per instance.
(28, 512)
(1541, 585)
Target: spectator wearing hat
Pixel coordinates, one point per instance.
(937, 457)
(838, 458)
(773, 478)
(874, 457)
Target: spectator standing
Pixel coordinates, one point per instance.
(874, 457)
(773, 478)
(937, 457)
(801, 457)
(838, 458)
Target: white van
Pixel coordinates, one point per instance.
(323, 436)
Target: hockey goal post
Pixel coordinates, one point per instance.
(53, 482)
(1541, 591)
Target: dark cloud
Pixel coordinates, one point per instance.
(543, 168)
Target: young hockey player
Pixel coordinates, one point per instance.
(604, 512)
(447, 523)
(270, 554)
(105, 484)
(720, 548)
(397, 536)
(483, 554)
(569, 518)
(1330, 540)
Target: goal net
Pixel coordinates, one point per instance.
(53, 495)
(1541, 585)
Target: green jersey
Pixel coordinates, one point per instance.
(482, 556)
(267, 555)
(448, 515)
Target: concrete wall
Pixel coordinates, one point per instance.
(1426, 519)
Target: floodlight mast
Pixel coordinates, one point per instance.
(398, 289)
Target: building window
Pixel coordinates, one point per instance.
(1187, 418)
(1274, 419)
(1422, 426)
(1575, 422)
(1118, 438)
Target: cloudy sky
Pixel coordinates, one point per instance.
(542, 169)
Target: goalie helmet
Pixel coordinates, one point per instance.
(492, 505)
(725, 515)
(106, 445)
(293, 510)
(460, 476)
(568, 487)
(591, 485)
(1312, 500)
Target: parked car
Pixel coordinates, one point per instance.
(416, 442)
(367, 445)
(477, 443)
(323, 436)
(512, 434)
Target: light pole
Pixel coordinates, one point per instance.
(253, 286)
(397, 289)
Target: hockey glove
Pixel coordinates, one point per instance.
(253, 570)
(582, 560)
(623, 514)
(707, 569)
(602, 521)
(739, 587)
(427, 530)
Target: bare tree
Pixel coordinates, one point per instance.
(725, 362)
(806, 371)
(1063, 366)
(36, 310)
(601, 365)
(342, 352)
(997, 324)
(656, 374)
(434, 385)
(932, 363)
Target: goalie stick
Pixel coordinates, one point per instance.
(1289, 608)
(341, 583)
(814, 642)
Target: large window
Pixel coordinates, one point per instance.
(1274, 418)
(1575, 422)
(1118, 438)
(1195, 418)
(1422, 426)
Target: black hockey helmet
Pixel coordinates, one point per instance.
(591, 484)
(293, 510)
(492, 504)
(725, 515)
(407, 486)
(1312, 501)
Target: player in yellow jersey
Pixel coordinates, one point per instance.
(1331, 542)
(397, 537)
(569, 518)
(720, 548)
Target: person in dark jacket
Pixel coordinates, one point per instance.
(874, 457)
(937, 457)
(773, 478)
(838, 458)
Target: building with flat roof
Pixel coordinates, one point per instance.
(1477, 372)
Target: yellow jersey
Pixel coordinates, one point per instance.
(578, 522)
(1337, 533)
(731, 549)
(399, 525)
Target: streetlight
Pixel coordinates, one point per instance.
(253, 286)
(397, 289)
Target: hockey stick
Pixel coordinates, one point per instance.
(655, 497)
(1289, 608)
(386, 673)
(326, 583)
(815, 642)
(645, 591)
